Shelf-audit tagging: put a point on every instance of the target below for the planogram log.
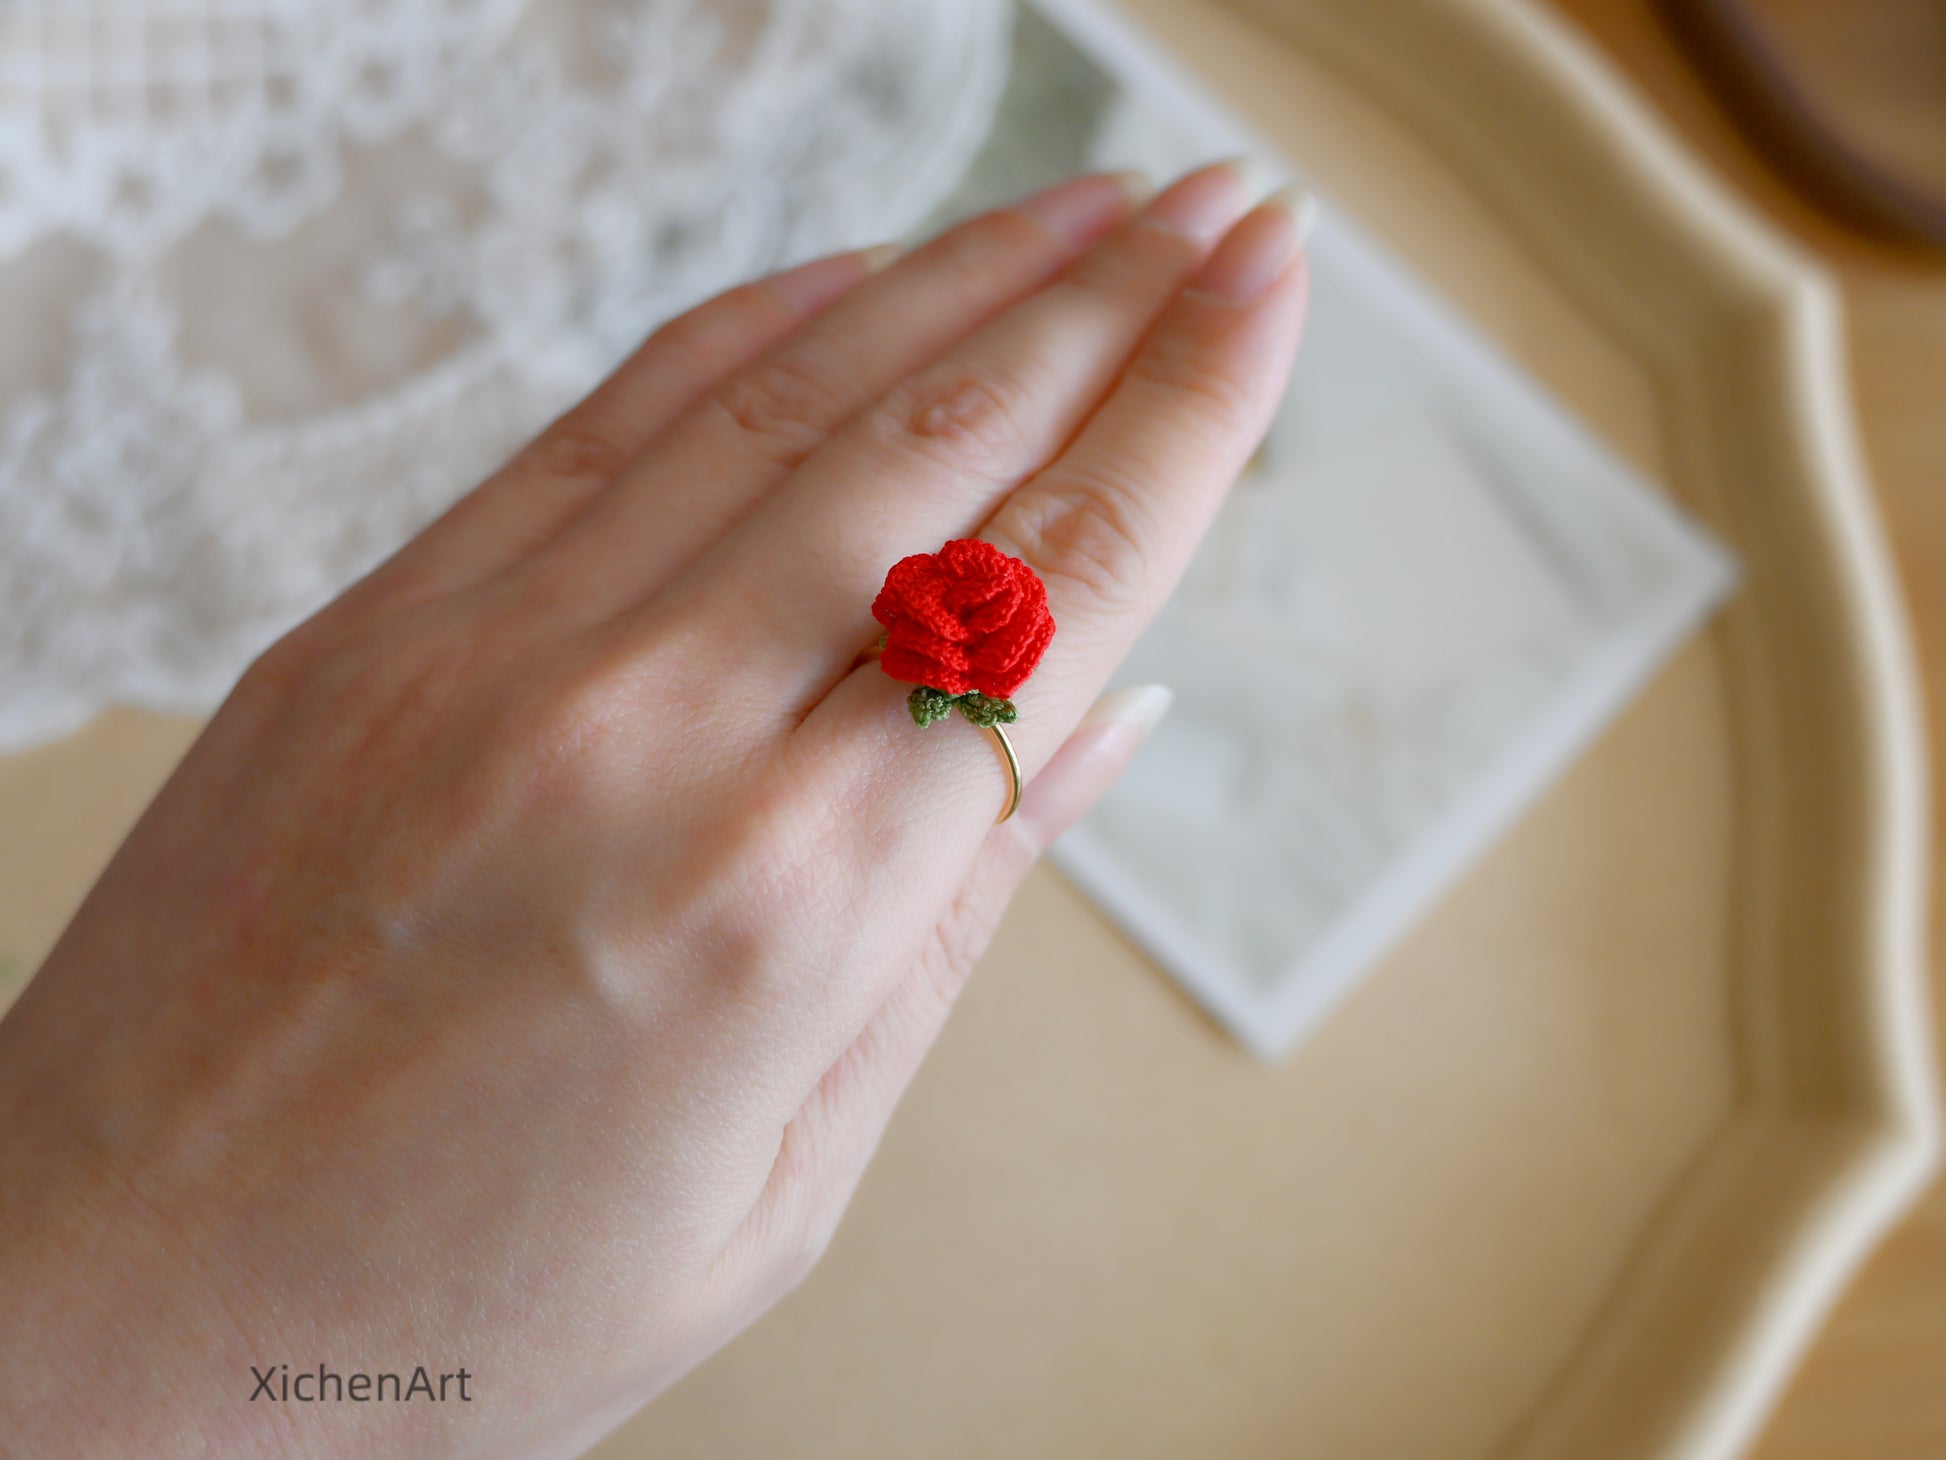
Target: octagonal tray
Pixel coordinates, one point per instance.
(1578, 1169)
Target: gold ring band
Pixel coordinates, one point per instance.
(1013, 773)
(1015, 786)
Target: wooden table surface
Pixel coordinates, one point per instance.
(1872, 1387)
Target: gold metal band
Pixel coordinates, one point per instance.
(1015, 787)
(1013, 773)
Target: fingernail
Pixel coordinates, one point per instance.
(1090, 760)
(1303, 208)
(1081, 209)
(1205, 203)
(810, 287)
(1258, 251)
(1137, 709)
(1137, 186)
(1258, 176)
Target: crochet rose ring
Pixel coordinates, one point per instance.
(964, 626)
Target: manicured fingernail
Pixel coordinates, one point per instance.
(1259, 177)
(1204, 204)
(1302, 206)
(1083, 208)
(1137, 186)
(1136, 710)
(1090, 760)
(810, 287)
(1258, 251)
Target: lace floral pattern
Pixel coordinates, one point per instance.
(286, 287)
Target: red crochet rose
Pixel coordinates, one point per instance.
(966, 619)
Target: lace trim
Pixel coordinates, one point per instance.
(547, 183)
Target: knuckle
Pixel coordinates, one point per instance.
(967, 416)
(1194, 383)
(803, 1206)
(941, 978)
(1086, 529)
(571, 450)
(684, 343)
(699, 335)
(961, 938)
(702, 342)
(569, 739)
(580, 732)
(1140, 262)
(777, 870)
(783, 405)
(813, 1239)
(983, 253)
(293, 661)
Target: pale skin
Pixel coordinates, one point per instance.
(520, 970)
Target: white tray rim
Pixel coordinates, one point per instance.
(1695, 224)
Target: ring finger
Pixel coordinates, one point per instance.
(1109, 527)
(938, 450)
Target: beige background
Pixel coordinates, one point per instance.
(1871, 1387)
(1099, 1228)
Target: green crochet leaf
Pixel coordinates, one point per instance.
(928, 704)
(985, 711)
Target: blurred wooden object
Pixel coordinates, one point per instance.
(1778, 91)
(1597, 1143)
(1871, 1387)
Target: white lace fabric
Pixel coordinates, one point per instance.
(283, 277)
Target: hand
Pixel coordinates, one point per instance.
(517, 974)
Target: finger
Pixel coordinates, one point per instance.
(1109, 527)
(555, 475)
(827, 1146)
(941, 448)
(761, 420)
